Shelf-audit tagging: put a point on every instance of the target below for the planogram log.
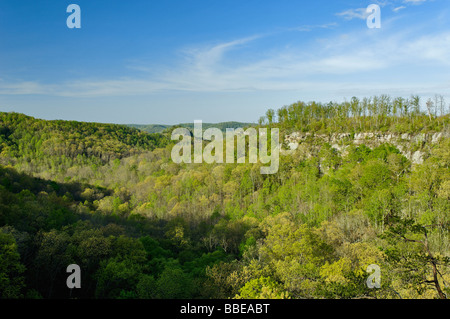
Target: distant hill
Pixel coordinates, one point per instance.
(159, 128)
(150, 128)
(37, 139)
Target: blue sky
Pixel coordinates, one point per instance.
(176, 61)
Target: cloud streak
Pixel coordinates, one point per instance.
(359, 13)
(335, 62)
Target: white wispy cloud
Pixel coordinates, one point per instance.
(397, 9)
(346, 56)
(25, 88)
(396, 5)
(306, 28)
(359, 13)
(414, 1)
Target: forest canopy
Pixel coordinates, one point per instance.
(110, 199)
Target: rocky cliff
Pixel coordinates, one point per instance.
(412, 146)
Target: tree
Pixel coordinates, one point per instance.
(430, 105)
(11, 269)
(419, 263)
(262, 288)
(270, 116)
(118, 278)
(52, 259)
(174, 283)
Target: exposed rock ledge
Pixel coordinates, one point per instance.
(410, 145)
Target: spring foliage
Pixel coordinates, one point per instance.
(109, 198)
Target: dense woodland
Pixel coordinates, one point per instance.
(110, 199)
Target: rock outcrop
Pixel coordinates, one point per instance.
(410, 145)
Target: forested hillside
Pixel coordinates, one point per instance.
(36, 145)
(159, 128)
(110, 199)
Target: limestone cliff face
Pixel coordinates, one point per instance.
(412, 146)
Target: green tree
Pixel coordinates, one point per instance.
(11, 269)
(262, 288)
(418, 265)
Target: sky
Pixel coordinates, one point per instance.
(172, 61)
